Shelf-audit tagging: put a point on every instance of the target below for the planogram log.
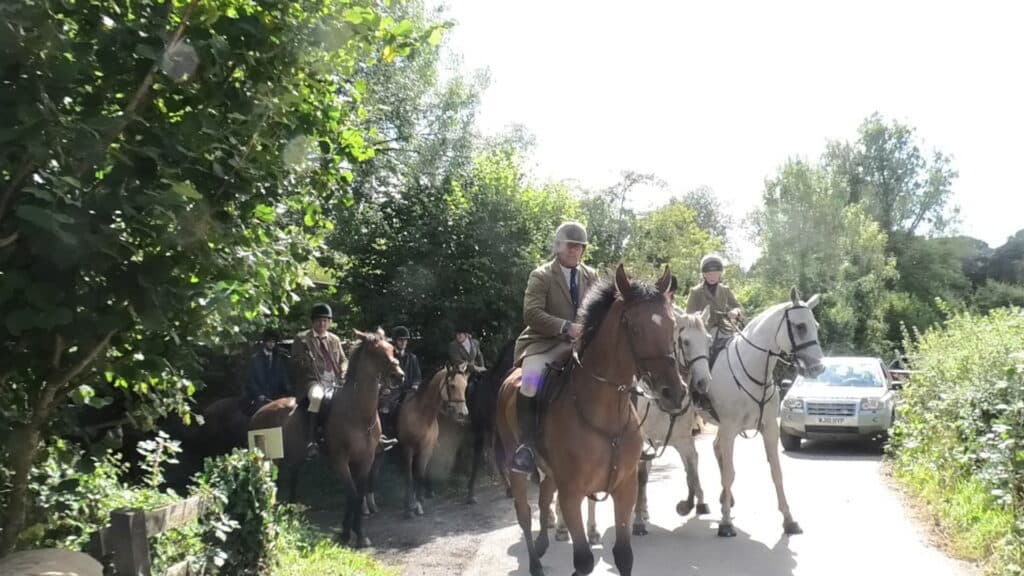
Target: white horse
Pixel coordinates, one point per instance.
(691, 351)
(745, 396)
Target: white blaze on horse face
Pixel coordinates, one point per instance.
(656, 318)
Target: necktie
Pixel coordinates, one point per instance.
(327, 355)
(574, 288)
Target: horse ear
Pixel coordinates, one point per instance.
(463, 367)
(622, 282)
(794, 296)
(665, 282)
(705, 314)
(814, 301)
(360, 335)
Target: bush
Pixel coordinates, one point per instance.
(304, 551)
(238, 530)
(959, 437)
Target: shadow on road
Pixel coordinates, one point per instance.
(690, 550)
(833, 450)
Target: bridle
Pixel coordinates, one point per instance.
(615, 440)
(450, 373)
(768, 388)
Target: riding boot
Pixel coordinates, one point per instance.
(312, 446)
(524, 460)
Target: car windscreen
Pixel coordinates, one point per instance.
(847, 373)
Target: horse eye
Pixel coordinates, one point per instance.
(686, 343)
(801, 329)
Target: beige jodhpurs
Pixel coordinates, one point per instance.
(535, 366)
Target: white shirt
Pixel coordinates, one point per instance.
(468, 344)
(567, 272)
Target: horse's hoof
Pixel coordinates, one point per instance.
(792, 528)
(363, 542)
(343, 538)
(472, 500)
(536, 569)
(639, 529)
(508, 492)
(542, 543)
(562, 535)
(684, 507)
(645, 515)
(419, 509)
(703, 509)
(726, 531)
(593, 537)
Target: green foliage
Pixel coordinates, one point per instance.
(1007, 262)
(304, 551)
(960, 432)
(239, 532)
(167, 170)
(813, 240)
(995, 294)
(669, 235)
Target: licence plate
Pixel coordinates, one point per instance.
(833, 420)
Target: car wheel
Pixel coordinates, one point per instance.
(790, 443)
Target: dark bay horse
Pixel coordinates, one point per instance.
(352, 431)
(590, 440)
(418, 428)
(483, 407)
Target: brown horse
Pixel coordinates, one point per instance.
(225, 423)
(590, 439)
(352, 431)
(418, 428)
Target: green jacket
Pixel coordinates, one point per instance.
(721, 302)
(457, 353)
(547, 305)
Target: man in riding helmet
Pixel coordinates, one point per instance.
(266, 372)
(725, 309)
(552, 301)
(320, 363)
(394, 392)
(466, 349)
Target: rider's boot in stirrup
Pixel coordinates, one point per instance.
(524, 460)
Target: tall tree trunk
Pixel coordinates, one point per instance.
(24, 445)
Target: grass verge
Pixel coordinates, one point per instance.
(305, 551)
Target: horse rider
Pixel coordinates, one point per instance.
(726, 311)
(551, 303)
(320, 363)
(266, 373)
(466, 349)
(394, 392)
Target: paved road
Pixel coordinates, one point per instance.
(854, 523)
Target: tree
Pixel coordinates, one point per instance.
(902, 189)
(164, 175)
(1007, 262)
(669, 235)
(811, 239)
(610, 219)
(710, 215)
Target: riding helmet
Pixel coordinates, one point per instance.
(711, 263)
(399, 332)
(573, 232)
(321, 310)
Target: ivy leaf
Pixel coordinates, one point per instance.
(186, 190)
(264, 213)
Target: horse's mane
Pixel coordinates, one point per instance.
(600, 299)
(757, 320)
(358, 351)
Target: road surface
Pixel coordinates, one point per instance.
(854, 523)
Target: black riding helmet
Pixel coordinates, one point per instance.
(399, 332)
(711, 263)
(321, 310)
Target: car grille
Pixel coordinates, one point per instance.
(831, 409)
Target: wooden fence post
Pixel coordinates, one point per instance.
(129, 543)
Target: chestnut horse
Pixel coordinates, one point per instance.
(352, 431)
(418, 428)
(589, 439)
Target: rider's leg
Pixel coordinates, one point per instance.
(524, 460)
(314, 396)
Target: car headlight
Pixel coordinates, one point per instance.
(870, 404)
(793, 403)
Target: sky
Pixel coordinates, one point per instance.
(720, 94)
